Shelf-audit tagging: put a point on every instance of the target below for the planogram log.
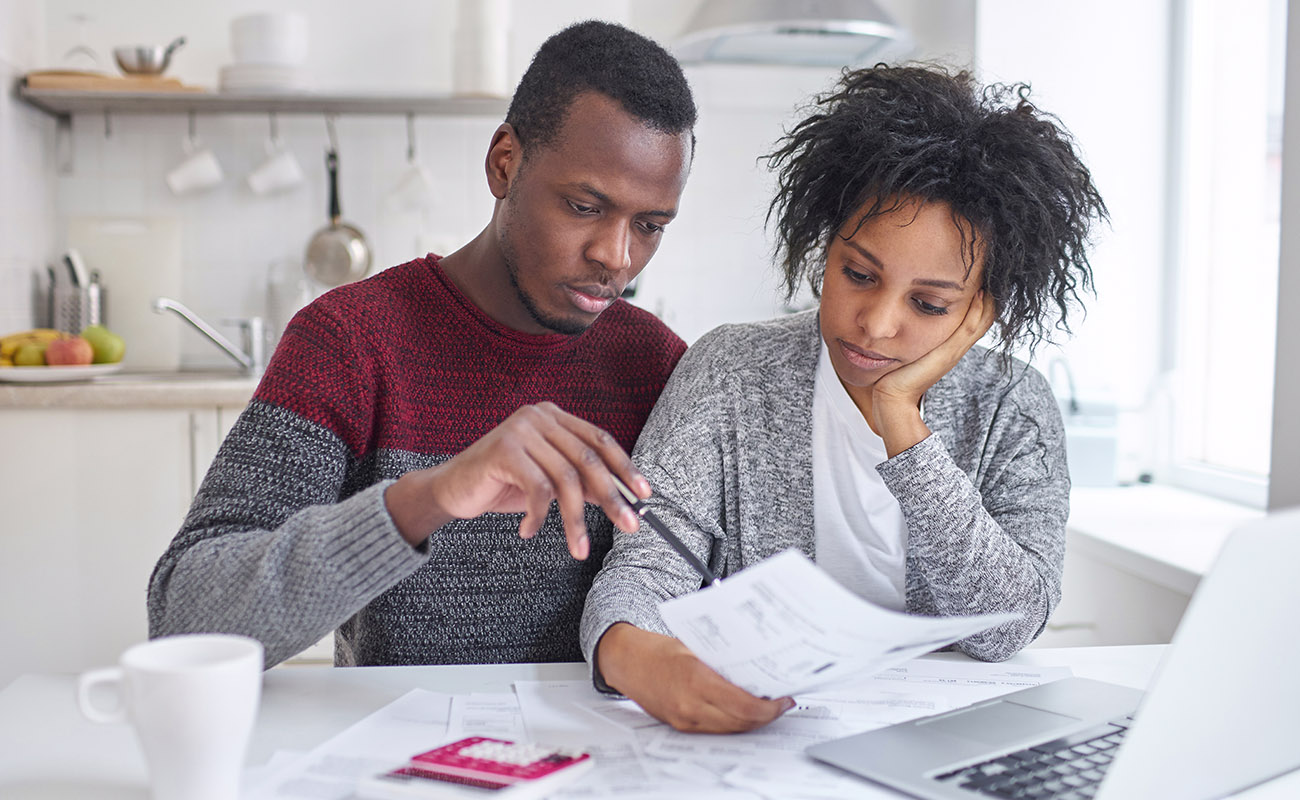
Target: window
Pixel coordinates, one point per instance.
(1226, 192)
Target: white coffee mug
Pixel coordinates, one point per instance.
(199, 170)
(278, 172)
(192, 700)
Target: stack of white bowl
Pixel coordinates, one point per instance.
(269, 51)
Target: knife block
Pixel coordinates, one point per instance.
(72, 308)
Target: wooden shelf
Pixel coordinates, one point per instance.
(65, 103)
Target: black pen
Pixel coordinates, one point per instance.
(639, 506)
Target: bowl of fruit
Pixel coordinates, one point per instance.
(44, 355)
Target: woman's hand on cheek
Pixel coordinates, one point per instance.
(896, 398)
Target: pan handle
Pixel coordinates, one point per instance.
(332, 164)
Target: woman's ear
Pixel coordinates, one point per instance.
(503, 159)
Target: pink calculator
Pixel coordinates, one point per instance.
(478, 766)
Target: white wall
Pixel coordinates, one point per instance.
(712, 268)
(26, 167)
(716, 266)
(1103, 68)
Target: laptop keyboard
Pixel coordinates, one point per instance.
(1062, 769)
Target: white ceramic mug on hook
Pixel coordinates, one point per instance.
(192, 700)
(199, 170)
(280, 170)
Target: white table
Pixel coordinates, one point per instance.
(48, 751)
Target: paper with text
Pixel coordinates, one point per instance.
(413, 723)
(494, 714)
(783, 626)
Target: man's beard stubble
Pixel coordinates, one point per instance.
(556, 324)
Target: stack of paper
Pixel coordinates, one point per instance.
(782, 627)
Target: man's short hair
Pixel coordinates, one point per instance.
(603, 57)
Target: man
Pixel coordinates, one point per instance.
(372, 484)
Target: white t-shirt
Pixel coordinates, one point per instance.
(860, 534)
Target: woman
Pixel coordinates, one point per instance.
(921, 471)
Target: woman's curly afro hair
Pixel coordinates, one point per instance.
(1009, 172)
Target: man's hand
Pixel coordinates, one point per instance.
(675, 687)
(896, 398)
(538, 454)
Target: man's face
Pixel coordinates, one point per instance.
(586, 212)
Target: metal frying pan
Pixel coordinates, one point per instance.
(338, 253)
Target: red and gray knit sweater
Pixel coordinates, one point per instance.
(288, 537)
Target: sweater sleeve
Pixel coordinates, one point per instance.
(276, 545)
(680, 454)
(998, 547)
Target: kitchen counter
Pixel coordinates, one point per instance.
(1134, 556)
(1163, 534)
(134, 390)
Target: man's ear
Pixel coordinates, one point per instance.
(503, 159)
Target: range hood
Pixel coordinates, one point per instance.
(825, 33)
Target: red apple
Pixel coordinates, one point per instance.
(69, 351)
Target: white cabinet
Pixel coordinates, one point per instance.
(1105, 604)
(1134, 556)
(89, 499)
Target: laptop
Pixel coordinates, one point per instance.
(1221, 715)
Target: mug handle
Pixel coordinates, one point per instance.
(89, 680)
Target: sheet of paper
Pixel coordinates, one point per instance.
(622, 712)
(413, 723)
(553, 711)
(919, 688)
(871, 708)
(800, 778)
(783, 626)
(561, 712)
(771, 762)
(960, 683)
(638, 761)
(494, 714)
(784, 736)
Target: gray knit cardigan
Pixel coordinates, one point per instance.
(728, 451)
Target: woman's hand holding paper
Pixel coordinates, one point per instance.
(675, 687)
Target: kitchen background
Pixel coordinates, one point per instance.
(1167, 159)
(714, 265)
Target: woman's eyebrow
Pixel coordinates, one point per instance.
(867, 254)
(935, 283)
(938, 284)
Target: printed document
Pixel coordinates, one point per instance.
(637, 757)
(413, 723)
(783, 626)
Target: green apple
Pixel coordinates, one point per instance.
(31, 354)
(108, 346)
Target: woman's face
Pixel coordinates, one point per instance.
(893, 291)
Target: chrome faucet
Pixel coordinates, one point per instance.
(251, 357)
(1073, 398)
